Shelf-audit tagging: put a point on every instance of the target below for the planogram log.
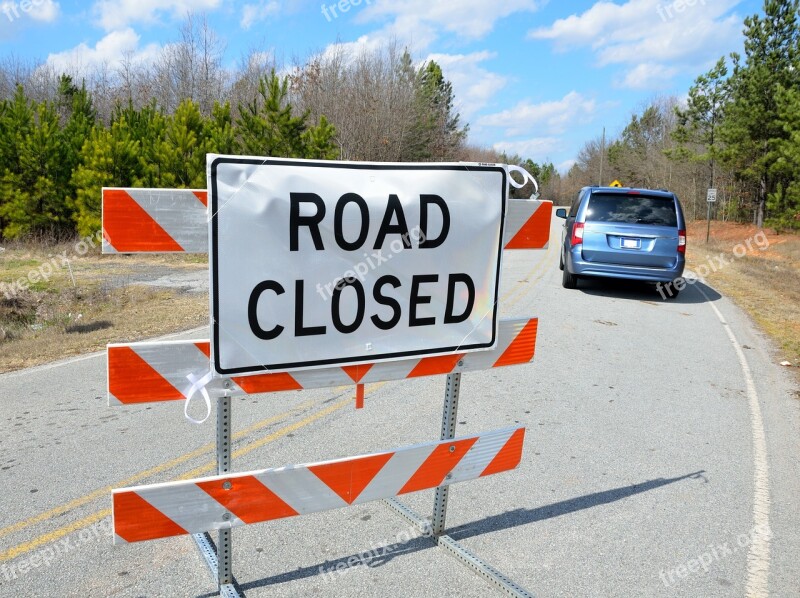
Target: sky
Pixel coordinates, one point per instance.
(537, 78)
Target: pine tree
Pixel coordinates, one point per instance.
(752, 128)
(16, 123)
(783, 204)
(109, 158)
(146, 126)
(699, 124)
(33, 190)
(219, 130)
(437, 133)
(267, 125)
(182, 152)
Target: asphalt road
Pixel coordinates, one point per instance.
(662, 458)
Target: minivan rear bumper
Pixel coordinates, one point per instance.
(576, 265)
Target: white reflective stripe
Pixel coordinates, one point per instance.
(179, 212)
(188, 506)
(182, 359)
(480, 455)
(484, 360)
(107, 248)
(322, 378)
(396, 473)
(390, 370)
(301, 489)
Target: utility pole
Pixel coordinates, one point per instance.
(602, 157)
(708, 214)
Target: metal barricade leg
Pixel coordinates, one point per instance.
(449, 417)
(224, 568)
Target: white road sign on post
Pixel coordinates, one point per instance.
(318, 263)
(711, 197)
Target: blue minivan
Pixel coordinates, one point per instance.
(613, 232)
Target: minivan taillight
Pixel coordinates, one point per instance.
(681, 241)
(577, 234)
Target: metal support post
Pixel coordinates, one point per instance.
(449, 417)
(224, 569)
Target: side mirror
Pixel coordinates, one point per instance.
(561, 213)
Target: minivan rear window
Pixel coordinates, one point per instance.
(631, 209)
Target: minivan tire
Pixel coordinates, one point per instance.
(569, 280)
(561, 261)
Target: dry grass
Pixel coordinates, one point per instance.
(94, 301)
(764, 282)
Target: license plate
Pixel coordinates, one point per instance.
(631, 243)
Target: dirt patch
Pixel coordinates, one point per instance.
(759, 270)
(55, 303)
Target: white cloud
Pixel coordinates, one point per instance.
(537, 149)
(108, 51)
(649, 76)
(649, 34)
(365, 44)
(466, 18)
(545, 118)
(473, 85)
(261, 11)
(44, 10)
(118, 14)
(420, 23)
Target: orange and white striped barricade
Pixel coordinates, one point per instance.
(227, 501)
(468, 201)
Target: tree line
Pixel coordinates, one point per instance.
(738, 131)
(65, 135)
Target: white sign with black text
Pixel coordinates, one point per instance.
(318, 263)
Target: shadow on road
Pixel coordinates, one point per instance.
(525, 516)
(642, 291)
(375, 556)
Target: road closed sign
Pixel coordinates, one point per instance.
(320, 263)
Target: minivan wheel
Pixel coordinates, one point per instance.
(568, 280)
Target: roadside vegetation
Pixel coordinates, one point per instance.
(89, 301)
(764, 282)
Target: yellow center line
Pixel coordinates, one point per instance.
(101, 492)
(210, 466)
(51, 537)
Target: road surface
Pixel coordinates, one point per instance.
(662, 458)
